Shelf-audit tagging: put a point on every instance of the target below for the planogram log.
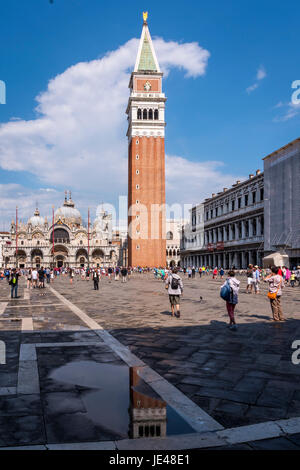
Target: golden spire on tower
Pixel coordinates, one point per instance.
(145, 16)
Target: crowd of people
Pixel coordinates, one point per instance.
(276, 277)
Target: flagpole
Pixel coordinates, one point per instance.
(53, 234)
(16, 236)
(88, 237)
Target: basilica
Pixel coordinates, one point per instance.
(64, 243)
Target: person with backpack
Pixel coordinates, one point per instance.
(175, 289)
(13, 282)
(229, 292)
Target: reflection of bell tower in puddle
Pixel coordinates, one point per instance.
(148, 413)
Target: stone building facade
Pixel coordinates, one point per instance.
(282, 202)
(227, 229)
(74, 245)
(173, 239)
(4, 241)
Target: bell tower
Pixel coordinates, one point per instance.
(146, 159)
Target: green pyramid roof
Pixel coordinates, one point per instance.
(147, 61)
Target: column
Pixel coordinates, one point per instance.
(243, 229)
(250, 229)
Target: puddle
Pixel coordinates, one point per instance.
(120, 401)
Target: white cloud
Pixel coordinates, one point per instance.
(191, 182)
(291, 110)
(78, 138)
(260, 75)
(252, 88)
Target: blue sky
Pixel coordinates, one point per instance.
(210, 116)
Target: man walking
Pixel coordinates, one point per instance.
(96, 279)
(124, 274)
(14, 279)
(175, 290)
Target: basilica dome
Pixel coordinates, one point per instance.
(36, 220)
(67, 213)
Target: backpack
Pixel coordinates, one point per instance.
(175, 283)
(225, 292)
(14, 280)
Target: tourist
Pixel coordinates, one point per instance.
(13, 282)
(41, 274)
(256, 279)
(124, 274)
(34, 277)
(232, 284)
(48, 273)
(276, 284)
(71, 275)
(96, 279)
(29, 279)
(292, 279)
(249, 279)
(175, 289)
(193, 272)
(215, 273)
(221, 272)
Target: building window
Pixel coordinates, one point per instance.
(261, 194)
(254, 197)
(137, 172)
(139, 114)
(227, 207)
(137, 201)
(239, 202)
(232, 205)
(211, 214)
(216, 211)
(145, 114)
(150, 114)
(137, 142)
(207, 215)
(156, 114)
(137, 157)
(81, 242)
(37, 242)
(246, 200)
(137, 186)
(22, 243)
(137, 247)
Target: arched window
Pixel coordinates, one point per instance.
(81, 242)
(169, 236)
(150, 114)
(156, 114)
(139, 114)
(174, 252)
(145, 114)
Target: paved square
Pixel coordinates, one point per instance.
(237, 378)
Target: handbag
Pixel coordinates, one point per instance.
(273, 295)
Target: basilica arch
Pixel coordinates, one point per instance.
(61, 256)
(22, 257)
(81, 257)
(36, 257)
(61, 235)
(97, 257)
